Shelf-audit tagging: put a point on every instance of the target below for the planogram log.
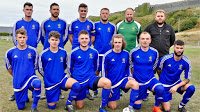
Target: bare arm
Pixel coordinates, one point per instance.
(159, 72)
(92, 40)
(10, 71)
(174, 88)
(71, 38)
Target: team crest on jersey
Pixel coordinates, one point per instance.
(123, 60)
(59, 25)
(91, 56)
(88, 27)
(29, 55)
(180, 67)
(133, 28)
(33, 26)
(150, 58)
(108, 29)
(61, 59)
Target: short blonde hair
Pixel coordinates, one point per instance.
(160, 10)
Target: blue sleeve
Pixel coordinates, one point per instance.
(156, 60)
(14, 34)
(65, 35)
(42, 33)
(160, 64)
(8, 60)
(96, 61)
(41, 64)
(71, 28)
(188, 70)
(35, 59)
(128, 71)
(131, 60)
(38, 32)
(104, 66)
(70, 63)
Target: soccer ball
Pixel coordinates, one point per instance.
(126, 109)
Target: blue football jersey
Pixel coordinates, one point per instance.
(143, 63)
(82, 64)
(76, 26)
(115, 66)
(52, 66)
(171, 69)
(103, 36)
(59, 25)
(23, 64)
(32, 27)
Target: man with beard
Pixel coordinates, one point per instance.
(162, 34)
(32, 27)
(54, 23)
(82, 64)
(79, 24)
(169, 70)
(104, 30)
(130, 29)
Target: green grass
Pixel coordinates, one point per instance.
(192, 52)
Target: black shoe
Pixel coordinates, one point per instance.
(95, 94)
(69, 108)
(43, 97)
(121, 94)
(89, 97)
(103, 109)
(27, 100)
(61, 96)
(34, 110)
(182, 109)
(12, 98)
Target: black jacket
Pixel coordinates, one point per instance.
(161, 40)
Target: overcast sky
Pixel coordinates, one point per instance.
(12, 10)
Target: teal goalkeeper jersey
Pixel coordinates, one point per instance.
(131, 32)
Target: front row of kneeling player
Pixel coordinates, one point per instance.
(120, 70)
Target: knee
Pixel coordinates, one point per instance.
(159, 89)
(191, 89)
(113, 105)
(36, 84)
(52, 106)
(137, 106)
(79, 106)
(107, 83)
(76, 87)
(135, 85)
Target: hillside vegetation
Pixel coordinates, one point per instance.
(189, 18)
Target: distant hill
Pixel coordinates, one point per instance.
(189, 18)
